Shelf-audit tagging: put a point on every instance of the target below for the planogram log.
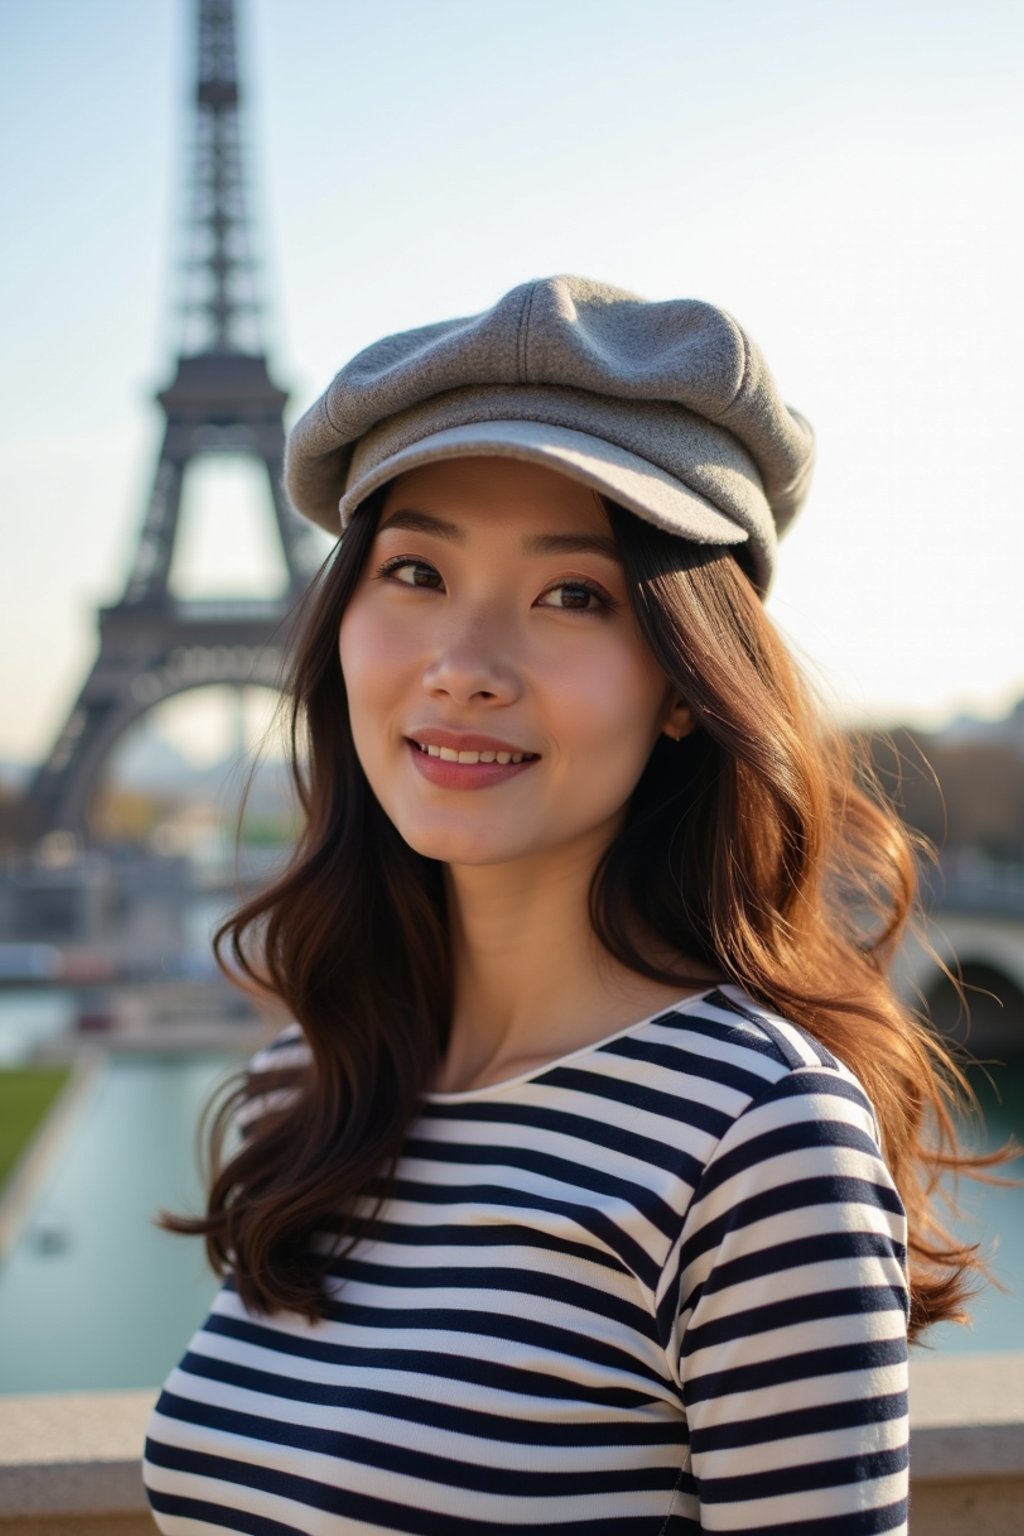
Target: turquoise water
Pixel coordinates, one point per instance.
(32, 1018)
(994, 1217)
(92, 1295)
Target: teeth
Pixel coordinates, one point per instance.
(449, 755)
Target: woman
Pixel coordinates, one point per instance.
(577, 1196)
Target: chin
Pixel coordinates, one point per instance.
(461, 845)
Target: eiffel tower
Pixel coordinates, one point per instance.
(222, 400)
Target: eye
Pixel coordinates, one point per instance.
(577, 597)
(410, 573)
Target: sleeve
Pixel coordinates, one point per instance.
(790, 1319)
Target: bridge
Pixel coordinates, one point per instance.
(975, 925)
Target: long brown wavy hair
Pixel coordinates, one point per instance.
(762, 845)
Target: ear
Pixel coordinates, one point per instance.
(680, 721)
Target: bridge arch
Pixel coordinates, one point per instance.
(987, 952)
(92, 735)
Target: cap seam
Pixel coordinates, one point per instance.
(325, 401)
(523, 338)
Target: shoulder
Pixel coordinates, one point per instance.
(752, 1029)
(756, 1101)
(794, 1181)
(745, 1055)
(801, 1130)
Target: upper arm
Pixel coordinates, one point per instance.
(790, 1330)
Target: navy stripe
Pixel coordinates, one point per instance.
(672, 1057)
(581, 1128)
(781, 1140)
(823, 1248)
(220, 1516)
(803, 1421)
(861, 1359)
(704, 1117)
(398, 1458)
(744, 1041)
(775, 1482)
(510, 1281)
(495, 1325)
(510, 1234)
(853, 1302)
(558, 1170)
(787, 1051)
(596, 1222)
(420, 1362)
(462, 1421)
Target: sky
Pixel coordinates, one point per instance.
(841, 175)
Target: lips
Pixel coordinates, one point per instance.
(479, 768)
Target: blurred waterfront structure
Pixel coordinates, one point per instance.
(134, 907)
(1005, 732)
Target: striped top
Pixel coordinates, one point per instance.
(654, 1288)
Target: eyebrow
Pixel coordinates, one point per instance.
(533, 544)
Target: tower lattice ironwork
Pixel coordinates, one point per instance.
(222, 399)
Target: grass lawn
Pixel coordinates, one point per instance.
(26, 1094)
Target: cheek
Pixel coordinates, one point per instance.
(370, 658)
(614, 708)
(368, 674)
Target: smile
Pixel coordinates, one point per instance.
(449, 755)
(448, 769)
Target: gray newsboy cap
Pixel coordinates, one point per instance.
(667, 408)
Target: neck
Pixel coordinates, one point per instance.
(531, 979)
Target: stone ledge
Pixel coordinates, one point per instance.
(81, 1525)
(74, 1453)
(984, 1507)
(967, 1417)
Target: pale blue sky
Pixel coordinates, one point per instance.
(844, 175)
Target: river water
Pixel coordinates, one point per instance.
(93, 1295)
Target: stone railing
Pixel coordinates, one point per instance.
(69, 1463)
(967, 1445)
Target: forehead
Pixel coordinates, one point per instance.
(494, 491)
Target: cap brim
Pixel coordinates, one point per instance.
(626, 478)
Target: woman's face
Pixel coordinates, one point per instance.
(492, 619)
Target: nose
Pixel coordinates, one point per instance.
(473, 662)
